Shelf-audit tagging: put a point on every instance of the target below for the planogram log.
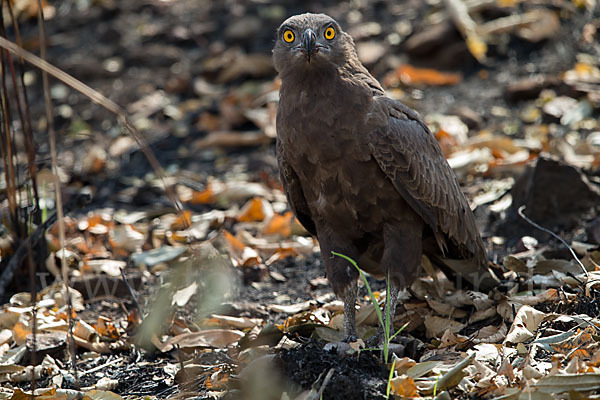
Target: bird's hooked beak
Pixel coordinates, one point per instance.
(309, 41)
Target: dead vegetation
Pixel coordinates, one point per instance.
(199, 282)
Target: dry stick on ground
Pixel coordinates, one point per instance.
(59, 205)
(7, 151)
(132, 294)
(25, 118)
(33, 294)
(459, 13)
(520, 211)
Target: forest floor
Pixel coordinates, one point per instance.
(227, 297)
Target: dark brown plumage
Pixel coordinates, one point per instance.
(361, 171)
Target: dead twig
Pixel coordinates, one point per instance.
(133, 296)
(520, 211)
(59, 204)
(459, 13)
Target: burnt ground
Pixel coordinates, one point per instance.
(129, 49)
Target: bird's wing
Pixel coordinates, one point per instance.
(294, 193)
(411, 158)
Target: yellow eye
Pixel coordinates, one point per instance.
(329, 33)
(288, 36)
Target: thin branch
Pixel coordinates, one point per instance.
(520, 211)
(59, 203)
(26, 122)
(459, 13)
(132, 294)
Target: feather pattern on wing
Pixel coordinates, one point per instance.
(293, 192)
(411, 158)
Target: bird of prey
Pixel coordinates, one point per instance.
(361, 171)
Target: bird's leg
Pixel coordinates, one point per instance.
(391, 301)
(350, 336)
(400, 260)
(350, 312)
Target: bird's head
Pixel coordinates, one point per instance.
(311, 41)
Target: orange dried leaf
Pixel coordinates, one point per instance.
(133, 319)
(252, 211)
(241, 254)
(183, 221)
(106, 328)
(217, 380)
(498, 154)
(404, 386)
(250, 257)
(280, 225)
(20, 332)
(179, 237)
(95, 224)
(206, 196)
(234, 242)
(281, 254)
(581, 353)
(413, 76)
(442, 134)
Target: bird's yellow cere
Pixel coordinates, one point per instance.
(329, 33)
(288, 36)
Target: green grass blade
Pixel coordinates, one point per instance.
(389, 382)
(364, 278)
(399, 330)
(436, 385)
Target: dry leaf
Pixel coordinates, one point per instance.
(84, 330)
(256, 209)
(413, 76)
(102, 394)
(279, 225)
(404, 386)
(106, 328)
(109, 267)
(216, 338)
(282, 253)
(404, 364)
(234, 322)
(182, 296)
(436, 326)
(526, 322)
(206, 196)
(242, 255)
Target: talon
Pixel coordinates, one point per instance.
(350, 339)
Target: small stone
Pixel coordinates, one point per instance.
(558, 106)
(370, 52)
(531, 114)
(526, 243)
